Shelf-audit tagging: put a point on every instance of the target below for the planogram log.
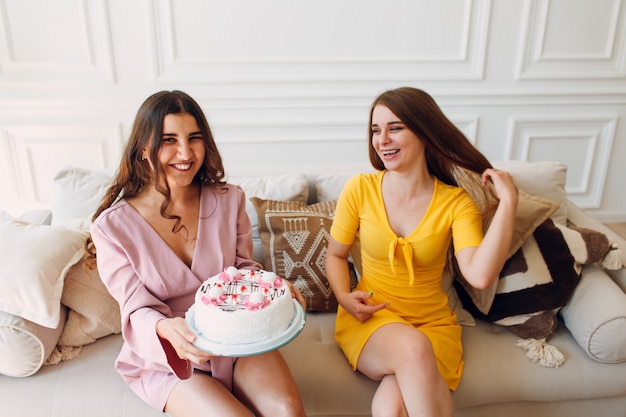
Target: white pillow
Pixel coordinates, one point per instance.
(24, 345)
(33, 262)
(543, 179)
(329, 185)
(78, 193)
(288, 187)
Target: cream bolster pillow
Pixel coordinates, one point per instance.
(596, 316)
(24, 345)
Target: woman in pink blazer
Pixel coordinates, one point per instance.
(168, 222)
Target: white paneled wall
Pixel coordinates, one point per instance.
(286, 84)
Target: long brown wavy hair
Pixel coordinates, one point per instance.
(134, 174)
(450, 156)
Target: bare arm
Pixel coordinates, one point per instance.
(338, 274)
(481, 265)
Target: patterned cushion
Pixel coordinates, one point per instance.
(540, 278)
(531, 212)
(295, 240)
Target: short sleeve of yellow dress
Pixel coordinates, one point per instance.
(406, 271)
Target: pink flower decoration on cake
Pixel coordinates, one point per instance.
(230, 274)
(270, 280)
(255, 301)
(215, 296)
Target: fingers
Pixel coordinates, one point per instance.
(181, 337)
(362, 309)
(295, 293)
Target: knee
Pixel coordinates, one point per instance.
(288, 406)
(416, 347)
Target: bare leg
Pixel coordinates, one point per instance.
(265, 384)
(203, 395)
(400, 350)
(387, 401)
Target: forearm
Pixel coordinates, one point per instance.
(487, 260)
(338, 274)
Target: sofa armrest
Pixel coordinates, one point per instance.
(579, 218)
(38, 216)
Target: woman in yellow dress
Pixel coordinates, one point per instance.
(395, 326)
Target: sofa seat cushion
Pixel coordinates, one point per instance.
(85, 386)
(327, 383)
(498, 372)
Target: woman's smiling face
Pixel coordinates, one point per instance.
(395, 144)
(182, 149)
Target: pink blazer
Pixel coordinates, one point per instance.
(150, 282)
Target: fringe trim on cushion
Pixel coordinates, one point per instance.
(62, 354)
(539, 351)
(612, 260)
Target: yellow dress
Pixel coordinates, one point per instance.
(405, 271)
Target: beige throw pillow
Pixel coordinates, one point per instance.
(93, 312)
(35, 259)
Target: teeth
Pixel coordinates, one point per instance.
(182, 167)
(390, 152)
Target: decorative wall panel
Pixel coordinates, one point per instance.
(564, 39)
(287, 85)
(57, 41)
(38, 152)
(582, 142)
(247, 40)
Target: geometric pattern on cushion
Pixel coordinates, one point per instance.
(531, 212)
(540, 278)
(295, 237)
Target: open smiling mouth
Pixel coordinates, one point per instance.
(182, 167)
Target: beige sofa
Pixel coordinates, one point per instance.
(499, 378)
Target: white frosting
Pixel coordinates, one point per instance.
(242, 311)
(257, 297)
(268, 277)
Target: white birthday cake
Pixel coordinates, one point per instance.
(240, 306)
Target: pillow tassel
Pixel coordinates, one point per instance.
(62, 354)
(539, 351)
(612, 260)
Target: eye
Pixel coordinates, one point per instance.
(168, 139)
(375, 131)
(196, 137)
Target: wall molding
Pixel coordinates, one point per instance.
(97, 63)
(467, 64)
(608, 61)
(588, 140)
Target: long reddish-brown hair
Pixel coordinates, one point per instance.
(134, 173)
(447, 148)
